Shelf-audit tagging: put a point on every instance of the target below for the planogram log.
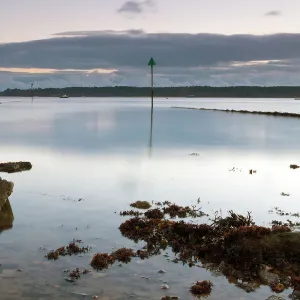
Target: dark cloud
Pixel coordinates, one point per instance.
(273, 13)
(136, 7)
(182, 59)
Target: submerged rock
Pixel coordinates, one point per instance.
(275, 298)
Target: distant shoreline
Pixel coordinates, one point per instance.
(189, 92)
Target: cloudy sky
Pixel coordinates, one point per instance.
(195, 42)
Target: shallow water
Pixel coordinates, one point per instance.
(98, 150)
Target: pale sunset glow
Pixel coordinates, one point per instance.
(107, 43)
(53, 71)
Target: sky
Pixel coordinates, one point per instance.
(57, 43)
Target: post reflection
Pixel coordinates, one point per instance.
(151, 133)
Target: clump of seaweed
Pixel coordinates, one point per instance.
(294, 166)
(139, 228)
(155, 213)
(142, 254)
(170, 298)
(76, 273)
(233, 242)
(232, 221)
(246, 232)
(281, 212)
(102, 261)
(124, 255)
(131, 213)
(52, 255)
(280, 228)
(174, 211)
(285, 194)
(71, 249)
(201, 288)
(14, 167)
(141, 205)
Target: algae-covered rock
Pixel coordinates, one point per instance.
(141, 204)
(6, 188)
(6, 214)
(14, 167)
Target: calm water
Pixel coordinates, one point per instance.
(98, 149)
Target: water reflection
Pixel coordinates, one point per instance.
(6, 216)
(151, 133)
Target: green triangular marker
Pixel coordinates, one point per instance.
(151, 62)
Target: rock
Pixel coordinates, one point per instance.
(6, 214)
(275, 298)
(222, 267)
(80, 294)
(278, 288)
(6, 189)
(13, 167)
(95, 297)
(20, 270)
(164, 287)
(161, 271)
(296, 294)
(268, 277)
(246, 286)
(68, 279)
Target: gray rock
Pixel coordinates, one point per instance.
(268, 277)
(275, 298)
(6, 189)
(296, 294)
(161, 271)
(68, 279)
(164, 287)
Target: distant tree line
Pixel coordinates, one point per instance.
(186, 91)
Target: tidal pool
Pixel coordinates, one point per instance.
(98, 150)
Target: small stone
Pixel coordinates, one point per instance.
(68, 279)
(164, 287)
(296, 294)
(95, 297)
(20, 270)
(81, 294)
(278, 288)
(275, 298)
(66, 271)
(161, 271)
